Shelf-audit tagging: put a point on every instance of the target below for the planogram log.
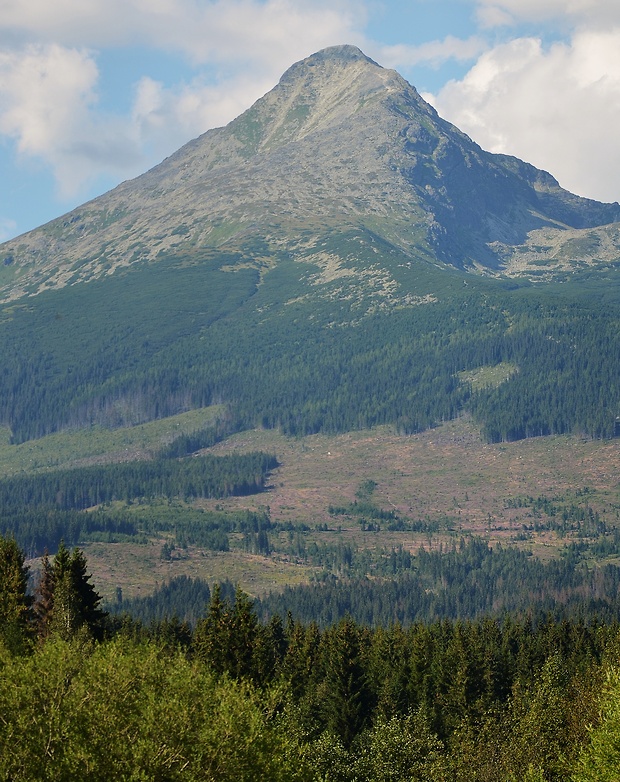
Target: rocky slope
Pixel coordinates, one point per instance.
(340, 143)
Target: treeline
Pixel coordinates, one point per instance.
(464, 582)
(460, 583)
(330, 363)
(238, 698)
(191, 442)
(181, 600)
(39, 528)
(41, 510)
(85, 487)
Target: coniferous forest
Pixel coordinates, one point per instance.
(332, 364)
(88, 695)
(459, 661)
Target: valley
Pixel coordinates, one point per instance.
(440, 485)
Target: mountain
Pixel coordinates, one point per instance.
(336, 257)
(339, 143)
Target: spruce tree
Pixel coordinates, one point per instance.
(347, 696)
(66, 599)
(15, 602)
(212, 634)
(87, 599)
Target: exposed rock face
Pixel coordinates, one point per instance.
(339, 143)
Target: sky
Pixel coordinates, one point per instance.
(94, 92)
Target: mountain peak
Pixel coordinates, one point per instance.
(339, 143)
(342, 53)
(317, 93)
(345, 64)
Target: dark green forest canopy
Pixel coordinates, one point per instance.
(40, 510)
(184, 333)
(460, 583)
(85, 487)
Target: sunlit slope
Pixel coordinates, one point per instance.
(340, 142)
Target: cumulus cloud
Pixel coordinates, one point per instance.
(204, 30)
(40, 88)
(432, 53)
(592, 13)
(49, 73)
(557, 107)
(165, 117)
(48, 107)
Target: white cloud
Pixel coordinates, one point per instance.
(555, 107)
(164, 118)
(48, 105)
(589, 13)
(433, 53)
(49, 73)
(39, 91)
(204, 30)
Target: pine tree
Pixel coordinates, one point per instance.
(66, 599)
(15, 603)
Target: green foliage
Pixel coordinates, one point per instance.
(307, 363)
(239, 699)
(465, 581)
(15, 602)
(85, 487)
(128, 711)
(67, 601)
(344, 694)
(542, 736)
(40, 510)
(402, 748)
(230, 640)
(600, 757)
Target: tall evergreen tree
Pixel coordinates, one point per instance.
(347, 696)
(87, 599)
(227, 639)
(15, 602)
(211, 637)
(66, 598)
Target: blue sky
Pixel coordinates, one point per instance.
(93, 92)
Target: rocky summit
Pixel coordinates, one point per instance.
(340, 144)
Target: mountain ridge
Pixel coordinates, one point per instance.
(340, 141)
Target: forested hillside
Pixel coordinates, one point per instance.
(41, 510)
(316, 364)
